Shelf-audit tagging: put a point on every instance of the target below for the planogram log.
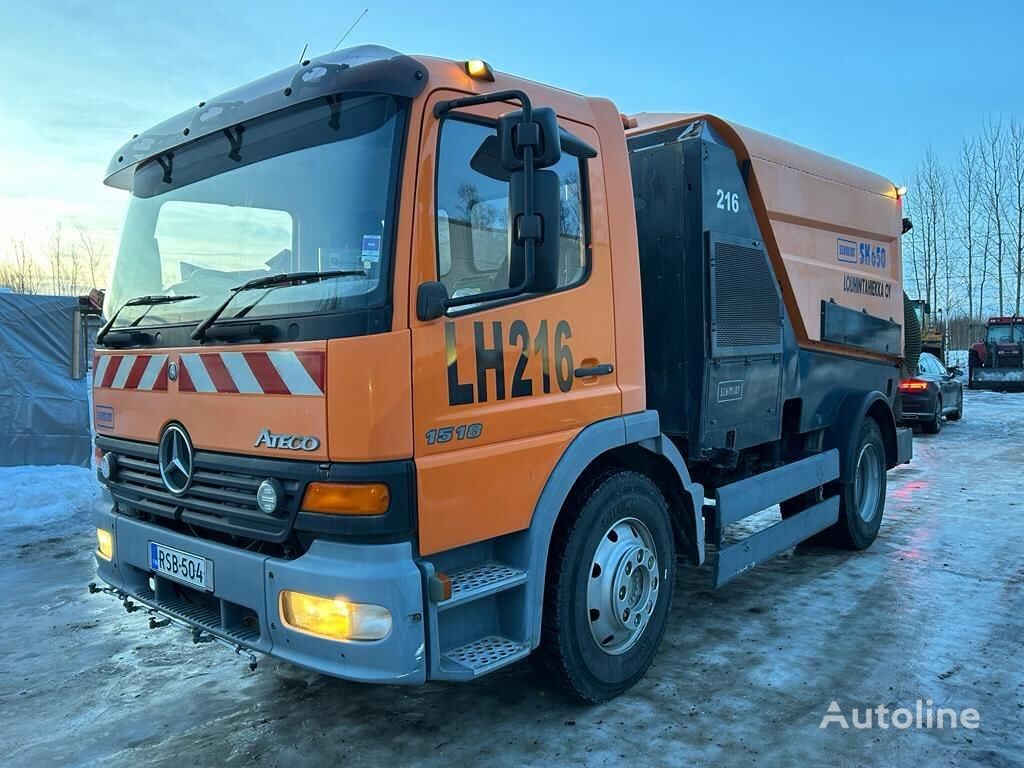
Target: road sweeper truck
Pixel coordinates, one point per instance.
(413, 368)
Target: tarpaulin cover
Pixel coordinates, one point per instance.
(44, 413)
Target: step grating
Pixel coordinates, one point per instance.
(487, 653)
(480, 577)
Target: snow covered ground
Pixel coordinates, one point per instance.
(41, 496)
(933, 611)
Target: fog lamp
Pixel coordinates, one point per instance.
(268, 496)
(108, 464)
(334, 617)
(104, 543)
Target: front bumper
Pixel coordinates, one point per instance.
(243, 607)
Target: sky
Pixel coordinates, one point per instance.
(874, 83)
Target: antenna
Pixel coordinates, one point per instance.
(349, 31)
(302, 55)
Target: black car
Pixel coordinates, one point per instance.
(933, 393)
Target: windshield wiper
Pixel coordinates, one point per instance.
(286, 278)
(139, 301)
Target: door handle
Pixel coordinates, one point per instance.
(601, 369)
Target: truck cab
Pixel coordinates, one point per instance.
(387, 387)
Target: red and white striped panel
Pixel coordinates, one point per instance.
(142, 372)
(278, 372)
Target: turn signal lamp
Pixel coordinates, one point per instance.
(346, 498)
(913, 385)
(104, 544)
(479, 69)
(334, 617)
(901, 191)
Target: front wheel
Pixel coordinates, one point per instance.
(609, 586)
(862, 493)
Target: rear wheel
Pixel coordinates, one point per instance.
(862, 493)
(933, 425)
(955, 415)
(609, 587)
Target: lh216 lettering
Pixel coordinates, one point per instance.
(489, 339)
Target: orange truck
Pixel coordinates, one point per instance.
(413, 369)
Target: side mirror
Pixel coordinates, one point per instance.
(431, 300)
(541, 133)
(546, 209)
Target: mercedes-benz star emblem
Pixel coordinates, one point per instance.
(175, 459)
(172, 370)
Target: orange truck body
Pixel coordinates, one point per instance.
(380, 397)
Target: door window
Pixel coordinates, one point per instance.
(473, 234)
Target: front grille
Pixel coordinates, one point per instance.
(222, 496)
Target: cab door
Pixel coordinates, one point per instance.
(500, 388)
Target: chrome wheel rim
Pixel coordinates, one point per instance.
(623, 586)
(868, 482)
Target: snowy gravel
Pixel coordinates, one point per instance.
(934, 610)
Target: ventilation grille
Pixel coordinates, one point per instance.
(747, 305)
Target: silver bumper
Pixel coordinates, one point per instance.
(243, 607)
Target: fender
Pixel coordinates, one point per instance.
(642, 428)
(843, 433)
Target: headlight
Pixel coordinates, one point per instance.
(334, 617)
(104, 543)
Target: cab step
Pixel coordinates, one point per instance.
(484, 655)
(480, 581)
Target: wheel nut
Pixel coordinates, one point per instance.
(639, 557)
(650, 563)
(629, 568)
(654, 582)
(622, 593)
(636, 620)
(650, 606)
(625, 615)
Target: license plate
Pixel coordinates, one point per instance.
(181, 566)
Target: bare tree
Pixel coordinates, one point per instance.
(992, 150)
(93, 253)
(19, 271)
(1015, 167)
(967, 204)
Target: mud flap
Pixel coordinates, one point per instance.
(740, 500)
(904, 445)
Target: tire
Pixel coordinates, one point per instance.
(959, 412)
(616, 517)
(862, 498)
(934, 425)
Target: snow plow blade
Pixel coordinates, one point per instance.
(999, 380)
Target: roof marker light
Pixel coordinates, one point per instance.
(479, 69)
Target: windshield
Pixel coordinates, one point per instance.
(307, 189)
(1001, 334)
